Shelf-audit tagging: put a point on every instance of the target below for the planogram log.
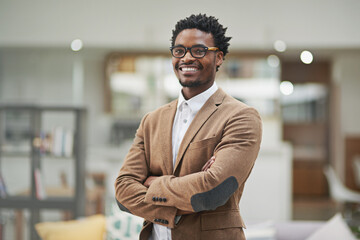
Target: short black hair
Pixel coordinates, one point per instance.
(208, 24)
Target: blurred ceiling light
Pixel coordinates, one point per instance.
(280, 46)
(286, 88)
(76, 45)
(306, 57)
(273, 61)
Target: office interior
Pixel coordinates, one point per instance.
(77, 76)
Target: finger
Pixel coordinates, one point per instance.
(208, 163)
(211, 163)
(205, 166)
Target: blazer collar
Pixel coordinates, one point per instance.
(201, 117)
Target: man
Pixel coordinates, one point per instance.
(186, 170)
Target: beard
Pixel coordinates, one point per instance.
(191, 84)
(196, 83)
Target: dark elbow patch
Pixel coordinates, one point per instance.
(216, 197)
(122, 207)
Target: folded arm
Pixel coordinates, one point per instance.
(129, 188)
(206, 167)
(207, 190)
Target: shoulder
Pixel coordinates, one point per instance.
(165, 109)
(154, 116)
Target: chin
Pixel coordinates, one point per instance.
(189, 84)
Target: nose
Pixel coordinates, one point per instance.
(188, 57)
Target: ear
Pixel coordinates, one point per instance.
(219, 58)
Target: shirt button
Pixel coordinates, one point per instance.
(185, 120)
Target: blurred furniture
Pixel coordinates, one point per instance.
(310, 157)
(352, 149)
(93, 227)
(115, 224)
(296, 230)
(29, 132)
(344, 196)
(338, 191)
(123, 129)
(95, 193)
(356, 163)
(335, 228)
(306, 124)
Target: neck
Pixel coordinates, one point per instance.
(190, 92)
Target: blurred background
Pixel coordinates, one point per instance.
(77, 76)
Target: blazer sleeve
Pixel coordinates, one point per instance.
(130, 191)
(235, 156)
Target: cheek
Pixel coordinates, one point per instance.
(174, 62)
(209, 64)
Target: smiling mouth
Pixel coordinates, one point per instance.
(188, 69)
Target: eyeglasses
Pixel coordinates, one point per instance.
(197, 51)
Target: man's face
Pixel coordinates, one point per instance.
(196, 73)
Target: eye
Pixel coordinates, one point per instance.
(199, 51)
(178, 51)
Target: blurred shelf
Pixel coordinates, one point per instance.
(22, 138)
(28, 202)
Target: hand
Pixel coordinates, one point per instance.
(149, 180)
(208, 164)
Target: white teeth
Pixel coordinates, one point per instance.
(187, 69)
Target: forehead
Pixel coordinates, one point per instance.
(193, 36)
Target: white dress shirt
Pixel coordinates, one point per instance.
(185, 113)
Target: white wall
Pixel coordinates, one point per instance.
(347, 74)
(45, 76)
(36, 76)
(268, 191)
(129, 24)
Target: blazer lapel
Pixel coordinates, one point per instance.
(166, 123)
(201, 117)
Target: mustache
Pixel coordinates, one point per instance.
(193, 64)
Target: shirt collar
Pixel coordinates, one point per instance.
(196, 102)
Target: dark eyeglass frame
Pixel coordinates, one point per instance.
(190, 49)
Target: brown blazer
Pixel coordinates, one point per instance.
(223, 127)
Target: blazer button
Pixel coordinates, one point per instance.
(166, 222)
(156, 220)
(164, 199)
(160, 199)
(154, 199)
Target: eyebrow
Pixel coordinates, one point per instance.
(196, 45)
